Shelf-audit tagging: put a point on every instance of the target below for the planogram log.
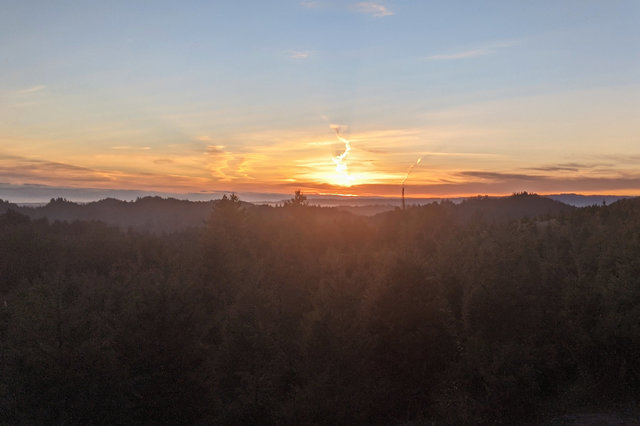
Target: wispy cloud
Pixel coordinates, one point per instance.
(461, 55)
(507, 183)
(32, 89)
(498, 176)
(163, 161)
(473, 53)
(310, 4)
(24, 170)
(623, 158)
(569, 167)
(298, 54)
(131, 148)
(215, 150)
(373, 9)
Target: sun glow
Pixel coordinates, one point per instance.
(342, 177)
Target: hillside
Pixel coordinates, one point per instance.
(442, 314)
(514, 207)
(155, 214)
(152, 214)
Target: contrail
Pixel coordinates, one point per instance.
(411, 169)
(407, 177)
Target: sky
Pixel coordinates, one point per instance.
(329, 97)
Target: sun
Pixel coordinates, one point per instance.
(341, 178)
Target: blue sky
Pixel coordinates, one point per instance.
(195, 96)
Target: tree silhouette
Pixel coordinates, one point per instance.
(298, 200)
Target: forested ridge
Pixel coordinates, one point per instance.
(505, 311)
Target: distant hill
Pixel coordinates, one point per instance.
(156, 214)
(514, 207)
(586, 200)
(369, 205)
(153, 214)
(487, 208)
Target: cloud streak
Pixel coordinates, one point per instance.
(298, 54)
(236, 171)
(310, 4)
(571, 167)
(32, 89)
(461, 55)
(22, 170)
(373, 9)
(472, 53)
(505, 184)
(131, 148)
(502, 177)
